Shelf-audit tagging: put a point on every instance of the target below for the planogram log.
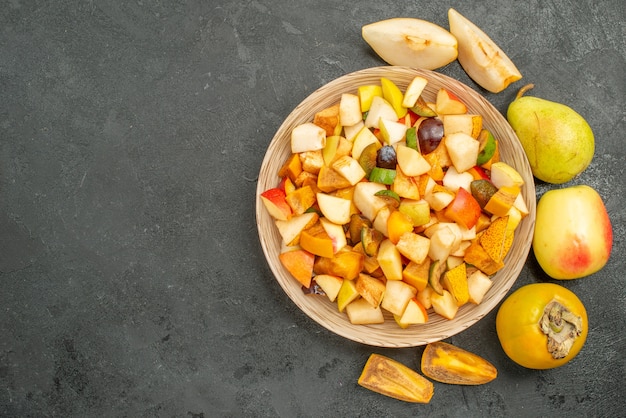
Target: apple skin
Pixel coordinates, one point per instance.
(573, 233)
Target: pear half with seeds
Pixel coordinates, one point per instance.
(411, 42)
(480, 57)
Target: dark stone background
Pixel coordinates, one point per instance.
(132, 282)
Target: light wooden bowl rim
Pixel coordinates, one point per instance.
(389, 334)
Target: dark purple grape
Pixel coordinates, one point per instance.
(386, 157)
(429, 134)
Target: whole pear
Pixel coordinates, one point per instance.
(558, 141)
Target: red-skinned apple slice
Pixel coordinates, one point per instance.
(276, 205)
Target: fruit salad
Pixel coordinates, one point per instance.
(389, 202)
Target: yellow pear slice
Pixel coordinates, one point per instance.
(411, 42)
(480, 57)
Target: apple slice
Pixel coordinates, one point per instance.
(390, 260)
(380, 109)
(447, 103)
(349, 168)
(362, 139)
(330, 285)
(480, 57)
(397, 296)
(392, 131)
(365, 200)
(466, 123)
(478, 284)
(445, 304)
(275, 202)
(414, 91)
(347, 294)
(417, 210)
(411, 42)
(335, 209)
(454, 180)
(411, 162)
(414, 247)
(415, 313)
(463, 151)
(503, 174)
(307, 137)
(349, 109)
(290, 230)
(336, 234)
(361, 312)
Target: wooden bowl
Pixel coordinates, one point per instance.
(389, 334)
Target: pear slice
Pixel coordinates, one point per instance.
(480, 57)
(411, 42)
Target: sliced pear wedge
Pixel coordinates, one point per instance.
(411, 42)
(480, 57)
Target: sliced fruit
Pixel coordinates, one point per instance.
(397, 296)
(411, 42)
(347, 294)
(444, 304)
(413, 91)
(335, 209)
(382, 175)
(349, 168)
(361, 312)
(300, 264)
(463, 151)
(392, 131)
(413, 246)
(455, 281)
(486, 148)
(349, 109)
(411, 161)
(394, 96)
(417, 274)
(276, 204)
(370, 288)
(391, 378)
(370, 240)
(448, 103)
(380, 109)
(330, 285)
(290, 230)
(390, 260)
(366, 200)
(503, 174)
(414, 313)
(480, 57)
(478, 284)
(307, 137)
(366, 95)
(397, 224)
(437, 268)
(446, 363)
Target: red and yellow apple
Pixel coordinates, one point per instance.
(573, 233)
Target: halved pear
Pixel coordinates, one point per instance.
(480, 57)
(411, 42)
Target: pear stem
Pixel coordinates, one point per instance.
(524, 89)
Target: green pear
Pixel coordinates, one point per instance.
(558, 141)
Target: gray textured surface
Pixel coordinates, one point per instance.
(132, 282)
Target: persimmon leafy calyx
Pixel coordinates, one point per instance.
(562, 327)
